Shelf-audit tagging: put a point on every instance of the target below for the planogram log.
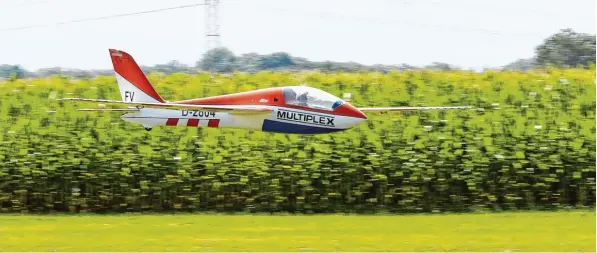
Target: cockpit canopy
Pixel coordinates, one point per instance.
(311, 97)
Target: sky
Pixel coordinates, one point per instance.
(470, 34)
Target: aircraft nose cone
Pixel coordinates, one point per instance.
(351, 111)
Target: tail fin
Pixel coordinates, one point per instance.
(132, 83)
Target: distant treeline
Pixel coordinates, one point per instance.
(564, 49)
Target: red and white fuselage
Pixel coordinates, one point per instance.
(277, 116)
(290, 109)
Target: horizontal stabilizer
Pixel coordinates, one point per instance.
(108, 110)
(236, 109)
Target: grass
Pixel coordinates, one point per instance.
(533, 231)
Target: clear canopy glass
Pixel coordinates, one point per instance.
(311, 97)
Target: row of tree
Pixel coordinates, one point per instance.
(564, 49)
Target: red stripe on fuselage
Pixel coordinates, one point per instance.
(269, 97)
(172, 122)
(213, 123)
(193, 122)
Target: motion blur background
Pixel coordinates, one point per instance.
(527, 67)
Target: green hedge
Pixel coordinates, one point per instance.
(530, 144)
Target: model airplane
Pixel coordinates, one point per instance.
(292, 109)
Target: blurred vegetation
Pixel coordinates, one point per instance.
(529, 144)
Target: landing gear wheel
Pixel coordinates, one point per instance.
(148, 128)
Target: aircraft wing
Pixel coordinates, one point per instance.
(237, 109)
(411, 108)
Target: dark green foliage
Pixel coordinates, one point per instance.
(275, 60)
(567, 49)
(530, 144)
(219, 60)
(11, 71)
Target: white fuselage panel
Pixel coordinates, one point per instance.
(279, 120)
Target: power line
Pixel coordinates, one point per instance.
(105, 17)
(212, 26)
(24, 4)
(404, 22)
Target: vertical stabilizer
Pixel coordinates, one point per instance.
(132, 83)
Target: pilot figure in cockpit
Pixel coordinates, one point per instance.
(302, 99)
